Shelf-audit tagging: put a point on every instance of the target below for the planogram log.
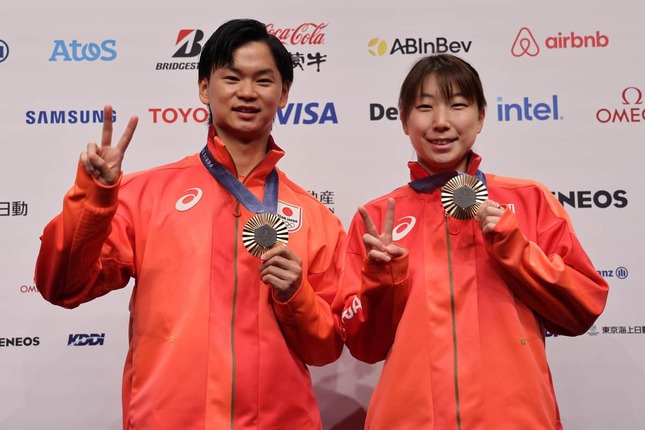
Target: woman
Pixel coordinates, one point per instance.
(456, 291)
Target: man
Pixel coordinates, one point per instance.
(219, 338)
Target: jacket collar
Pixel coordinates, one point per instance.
(221, 154)
(417, 171)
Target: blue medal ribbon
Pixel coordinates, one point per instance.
(241, 193)
(433, 182)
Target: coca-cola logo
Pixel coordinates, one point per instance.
(308, 33)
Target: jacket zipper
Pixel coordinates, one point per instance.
(233, 311)
(454, 324)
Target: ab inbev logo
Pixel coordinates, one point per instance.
(378, 47)
(526, 44)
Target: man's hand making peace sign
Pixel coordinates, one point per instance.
(104, 162)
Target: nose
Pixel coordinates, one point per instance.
(441, 118)
(246, 89)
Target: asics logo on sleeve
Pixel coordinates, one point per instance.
(189, 200)
(404, 226)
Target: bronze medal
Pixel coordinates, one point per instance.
(262, 232)
(462, 196)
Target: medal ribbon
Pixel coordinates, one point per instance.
(241, 193)
(433, 182)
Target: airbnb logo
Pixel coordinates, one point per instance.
(526, 44)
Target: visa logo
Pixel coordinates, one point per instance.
(307, 113)
(528, 111)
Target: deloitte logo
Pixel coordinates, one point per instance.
(412, 46)
(4, 50)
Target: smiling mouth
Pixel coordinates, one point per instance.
(245, 109)
(441, 142)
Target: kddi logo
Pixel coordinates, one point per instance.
(83, 339)
(410, 46)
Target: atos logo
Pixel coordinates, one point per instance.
(82, 339)
(597, 199)
(4, 50)
(182, 115)
(527, 110)
(77, 51)
(632, 109)
(308, 33)
(413, 46)
(525, 42)
(620, 273)
(307, 113)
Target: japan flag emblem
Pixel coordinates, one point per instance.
(291, 215)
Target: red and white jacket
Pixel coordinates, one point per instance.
(460, 319)
(210, 347)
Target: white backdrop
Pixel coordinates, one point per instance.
(573, 70)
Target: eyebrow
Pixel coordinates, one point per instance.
(267, 71)
(432, 96)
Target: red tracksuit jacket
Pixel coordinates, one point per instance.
(460, 319)
(210, 347)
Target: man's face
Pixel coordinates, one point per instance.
(245, 96)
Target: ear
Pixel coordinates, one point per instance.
(482, 115)
(203, 90)
(284, 95)
(404, 124)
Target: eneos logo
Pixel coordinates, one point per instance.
(78, 51)
(632, 110)
(4, 50)
(601, 199)
(411, 46)
(525, 42)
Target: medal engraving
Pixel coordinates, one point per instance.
(462, 196)
(263, 232)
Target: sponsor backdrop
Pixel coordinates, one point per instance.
(564, 82)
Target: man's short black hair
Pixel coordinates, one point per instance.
(218, 50)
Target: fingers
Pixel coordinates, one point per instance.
(86, 158)
(367, 220)
(488, 215)
(126, 137)
(282, 269)
(388, 224)
(106, 136)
